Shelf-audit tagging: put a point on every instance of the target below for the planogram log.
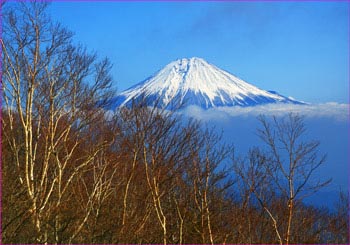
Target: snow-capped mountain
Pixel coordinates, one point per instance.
(196, 82)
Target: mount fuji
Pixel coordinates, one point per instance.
(194, 81)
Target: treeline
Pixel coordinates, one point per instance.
(75, 173)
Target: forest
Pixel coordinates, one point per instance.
(73, 172)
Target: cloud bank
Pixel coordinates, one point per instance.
(327, 123)
(332, 110)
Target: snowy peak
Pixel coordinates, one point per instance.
(194, 81)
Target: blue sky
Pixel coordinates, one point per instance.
(299, 49)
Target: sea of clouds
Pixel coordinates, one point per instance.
(336, 111)
(327, 123)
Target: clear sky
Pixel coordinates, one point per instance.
(299, 49)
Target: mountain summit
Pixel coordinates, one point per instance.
(196, 82)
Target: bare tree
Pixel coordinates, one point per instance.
(55, 92)
(287, 168)
(339, 221)
(164, 153)
(209, 182)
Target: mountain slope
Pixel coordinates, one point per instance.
(196, 82)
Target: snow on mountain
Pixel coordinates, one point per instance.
(196, 82)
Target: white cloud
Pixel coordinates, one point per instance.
(336, 111)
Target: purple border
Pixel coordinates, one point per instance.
(1, 89)
(1, 86)
(348, 191)
(195, 0)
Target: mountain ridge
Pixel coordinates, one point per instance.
(194, 81)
